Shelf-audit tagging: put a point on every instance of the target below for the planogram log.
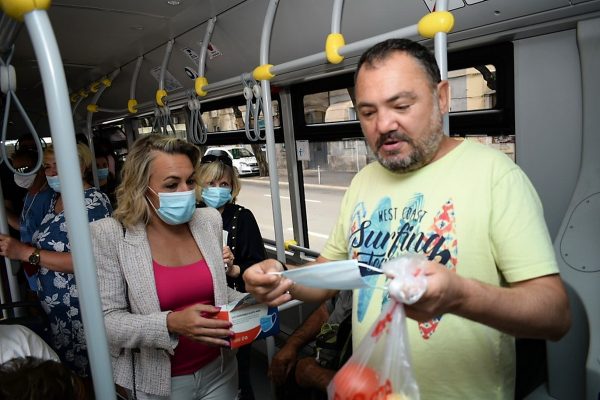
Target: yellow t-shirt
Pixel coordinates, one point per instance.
(477, 213)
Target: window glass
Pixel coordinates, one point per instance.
(256, 192)
(326, 176)
(176, 120)
(232, 118)
(505, 144)
(328, 107)
(472, 88)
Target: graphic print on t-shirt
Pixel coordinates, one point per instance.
(390, 231)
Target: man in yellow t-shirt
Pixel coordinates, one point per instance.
(492, 274)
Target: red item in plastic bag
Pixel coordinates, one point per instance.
(355, 381)
(380, 369)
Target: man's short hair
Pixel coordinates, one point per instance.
(385, 49)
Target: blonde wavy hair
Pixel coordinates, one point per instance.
(131, 194)
(216, 170)
(84, 155)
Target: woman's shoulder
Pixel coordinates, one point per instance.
(107, 224)
(207, 214)
(244, 213)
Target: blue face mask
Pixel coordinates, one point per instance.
(54, 183)
(339, 275)
(176, 208)
(216, 197)
(102, 173)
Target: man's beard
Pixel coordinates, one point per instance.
(422, 150)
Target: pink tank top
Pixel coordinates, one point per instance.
(178, 288)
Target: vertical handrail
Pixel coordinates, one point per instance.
(63, 138)
(336, 16)
(204, 49)
(134, 79)
(90, 133)
(440, 42)
(13, 285)
(270, 134)
(163, 65)
(132, 102)
(271, 156)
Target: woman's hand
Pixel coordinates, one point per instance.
(14, 249)
(227, 257)
(198, 323)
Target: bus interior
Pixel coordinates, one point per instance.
(258, 75)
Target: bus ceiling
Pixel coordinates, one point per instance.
(116, 35)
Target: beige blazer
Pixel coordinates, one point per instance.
(125, 267)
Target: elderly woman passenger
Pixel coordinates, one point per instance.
(162, 279)
(50, 252)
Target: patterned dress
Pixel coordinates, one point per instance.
(58, 290)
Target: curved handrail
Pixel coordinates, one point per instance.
(90, 115)
(63, 135)
(270, 135)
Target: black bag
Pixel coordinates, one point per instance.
(334, 344)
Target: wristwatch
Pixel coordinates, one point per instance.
(34, 258)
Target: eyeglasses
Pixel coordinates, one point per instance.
(207, 159)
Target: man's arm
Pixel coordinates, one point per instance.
(284, 360)
(535, 308)
(275, 290)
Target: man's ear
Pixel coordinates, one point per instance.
(443, 99)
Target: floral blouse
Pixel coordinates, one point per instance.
(58, 291)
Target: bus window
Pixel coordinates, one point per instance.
(329, 107)
(229, 119)
(148, 124)
(472, 88)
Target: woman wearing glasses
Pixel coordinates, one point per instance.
(220, 187)
(162, 280)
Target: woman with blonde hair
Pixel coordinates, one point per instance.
(50, 252)
(162, 280)
(220, 188)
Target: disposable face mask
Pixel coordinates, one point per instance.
(339, 275)
(216, 197)
(102, 173)
(175, 208)
(24, 181)
(54, 183)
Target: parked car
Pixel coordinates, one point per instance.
(243, 159)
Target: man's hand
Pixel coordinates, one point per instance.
(281, 364)
(310, 374)
(265, 286)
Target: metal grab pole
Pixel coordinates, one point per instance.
(271, 157)
(336, 16)
(13, 284)
(440, 41)
(90, 135)
(270, 135)
(63, 138)
(204, 49)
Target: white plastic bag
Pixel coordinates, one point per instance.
(409, 281)
(380, 369)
